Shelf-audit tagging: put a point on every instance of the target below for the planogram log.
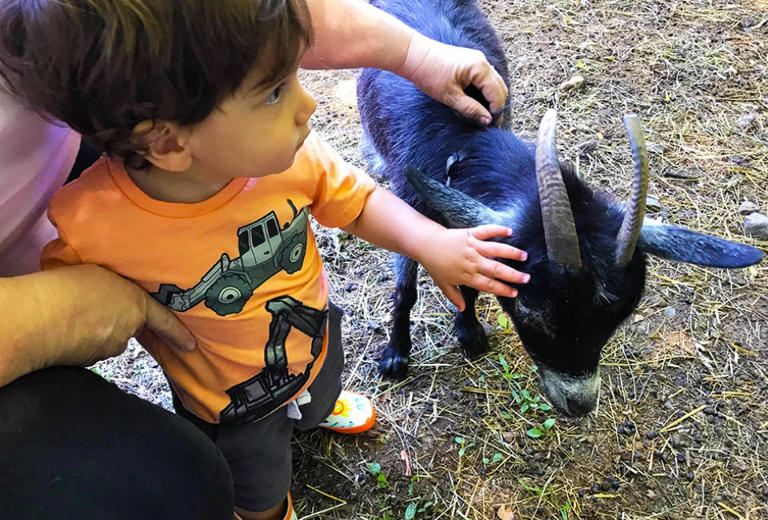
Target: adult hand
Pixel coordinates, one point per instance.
(443, 71)
(463, 257)
(76, 315)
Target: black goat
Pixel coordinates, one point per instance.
(586, 251)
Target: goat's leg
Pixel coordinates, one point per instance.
(470, 332)
(394, 359)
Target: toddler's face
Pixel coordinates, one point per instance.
(255, 132)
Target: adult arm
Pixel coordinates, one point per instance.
(75, 315)
(351, 34)
(452, 257)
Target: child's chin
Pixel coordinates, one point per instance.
(262, 173)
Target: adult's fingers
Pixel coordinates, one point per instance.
(483, 76)
(167, 326)
(493, 88)
(470, 108)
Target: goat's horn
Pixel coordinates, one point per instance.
(633, 218)
(559, 229)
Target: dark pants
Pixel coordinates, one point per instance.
(259, 453)
(73, 446)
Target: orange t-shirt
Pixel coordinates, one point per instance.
(240, 269)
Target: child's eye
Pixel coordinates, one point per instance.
(274, 96)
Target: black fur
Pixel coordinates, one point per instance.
(563, 318)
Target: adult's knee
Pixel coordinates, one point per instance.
(75, 446)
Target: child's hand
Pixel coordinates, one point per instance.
(463, 257)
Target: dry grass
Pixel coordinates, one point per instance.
(682, 424)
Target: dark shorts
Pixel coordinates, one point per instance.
(259, 453)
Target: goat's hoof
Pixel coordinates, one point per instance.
(473, 340)
(393, 365)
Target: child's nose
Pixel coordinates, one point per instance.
(307, 107)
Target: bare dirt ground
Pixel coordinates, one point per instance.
(681, 430)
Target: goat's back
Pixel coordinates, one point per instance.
(405, 126)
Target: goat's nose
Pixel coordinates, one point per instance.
(579, 408)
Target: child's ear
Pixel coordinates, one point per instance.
(166, 144)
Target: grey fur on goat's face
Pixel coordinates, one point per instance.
(575, 396)
(564, 319)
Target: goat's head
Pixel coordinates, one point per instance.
(587, 272)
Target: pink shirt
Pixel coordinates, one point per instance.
(35, 158)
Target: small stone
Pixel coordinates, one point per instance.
(681, 457)
(651, 435)
(575, 83)
(654, 148)
(756, 225)
(749, 22)
(690, 476)
(350, 287)
(748, 207)
(738, 160)
(670, 311)
(652, 203)
(745, 121)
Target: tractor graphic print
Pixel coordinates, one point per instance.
(265, 250)
(274, 385)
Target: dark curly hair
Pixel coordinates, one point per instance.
(103, 66)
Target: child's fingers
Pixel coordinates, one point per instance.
(498, 250)
(487, 231)
(498, 271)
(454, 295)
(489, 285)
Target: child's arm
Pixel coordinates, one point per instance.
(354, 34)
(451, 256)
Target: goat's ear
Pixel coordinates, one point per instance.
(683, 245)
(458, 209)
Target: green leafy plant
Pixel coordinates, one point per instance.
(541, 430)
(530, 402)
(564, 511)
(522, 396)
(463, 446)
(413, 509)
(381, 478)
(493, 460)
(536, 490)
(504, 323)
